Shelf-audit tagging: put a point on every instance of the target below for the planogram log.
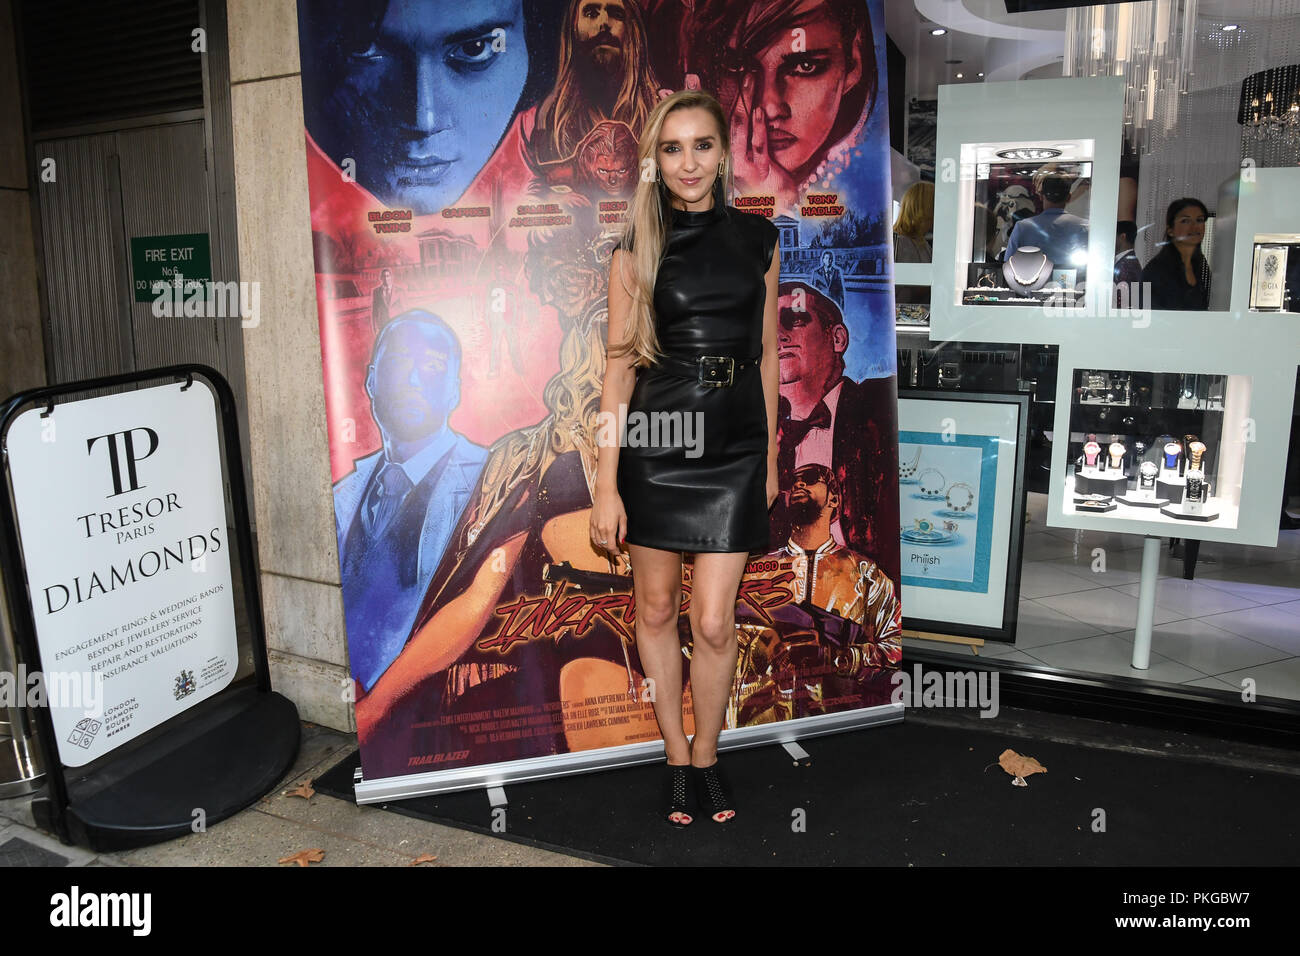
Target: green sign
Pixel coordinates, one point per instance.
(156, 259)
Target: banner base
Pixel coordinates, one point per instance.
(200, 772)
(387, 789)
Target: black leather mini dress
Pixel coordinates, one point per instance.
(692, 471)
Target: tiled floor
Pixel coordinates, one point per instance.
(1239, 618)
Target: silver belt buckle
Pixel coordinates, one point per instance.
(712, 369)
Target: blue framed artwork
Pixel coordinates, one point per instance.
(947, 526)
(961, 464)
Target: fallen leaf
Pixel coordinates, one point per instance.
(304, 857)
(423, 858)
(1019, 767)
(302, 790)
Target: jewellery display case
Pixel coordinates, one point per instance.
(1158, 454)
(1231, 352)
(1028, 222)
(1129, 379)
(1152, 445)
(1166, 453)
(1021, 188)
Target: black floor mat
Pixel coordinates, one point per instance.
(910, 794)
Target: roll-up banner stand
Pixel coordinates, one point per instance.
(132, 583)
(470, 168)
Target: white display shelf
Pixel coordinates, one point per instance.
(1260, 205)
(1137, 519)
(1245, 471)
(913, 273)
(977, 118)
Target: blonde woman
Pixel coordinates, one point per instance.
(692, 333)
(915, 222)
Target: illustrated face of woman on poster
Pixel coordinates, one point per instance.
(791, 81)
(422, 97)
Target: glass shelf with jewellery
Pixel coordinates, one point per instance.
(1023, 223)
(1021, 249)
(1157, 447)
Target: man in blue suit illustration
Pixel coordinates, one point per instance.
(395, 512)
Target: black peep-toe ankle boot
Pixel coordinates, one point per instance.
(714, 793)
(679, 796)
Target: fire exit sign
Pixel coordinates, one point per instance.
(163, 258)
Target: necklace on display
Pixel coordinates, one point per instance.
(907, 471)
(1015, 273)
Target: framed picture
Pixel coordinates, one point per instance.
(961, 471)
(1268, 278)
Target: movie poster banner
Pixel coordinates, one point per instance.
(470, 168)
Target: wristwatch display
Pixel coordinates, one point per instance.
(1166, 466)
(1147, 476)
(1187, 447)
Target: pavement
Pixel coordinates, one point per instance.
(279, 825)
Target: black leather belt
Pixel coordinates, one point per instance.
(712, 371)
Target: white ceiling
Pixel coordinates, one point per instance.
(1003, 46)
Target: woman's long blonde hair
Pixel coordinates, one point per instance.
(916, 211)
(647, 223)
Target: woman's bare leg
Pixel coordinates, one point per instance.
(657, 589)
(714, 585)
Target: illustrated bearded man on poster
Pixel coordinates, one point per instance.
(604, 74)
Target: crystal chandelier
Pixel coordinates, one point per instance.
(1149, 44)
(1269, 112)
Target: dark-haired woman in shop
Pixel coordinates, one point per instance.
(1179, 274)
